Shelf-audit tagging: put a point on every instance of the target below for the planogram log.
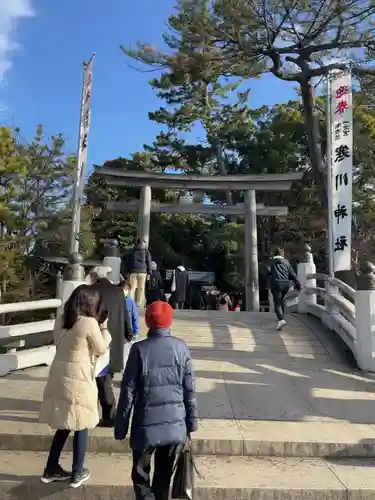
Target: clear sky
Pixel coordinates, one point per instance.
(42, 46)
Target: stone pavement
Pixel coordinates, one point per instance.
(282, 415)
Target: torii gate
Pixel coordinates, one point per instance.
(249, 184)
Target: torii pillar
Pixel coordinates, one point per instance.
(251, 247)
(144, 213)
(247, 183)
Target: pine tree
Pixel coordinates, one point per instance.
(297, 41)
(36, 188)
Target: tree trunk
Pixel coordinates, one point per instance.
(221, 165)
(313, 135)
(315, 149)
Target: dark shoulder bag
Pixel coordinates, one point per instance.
(184, 476)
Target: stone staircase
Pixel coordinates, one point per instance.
(281, 418)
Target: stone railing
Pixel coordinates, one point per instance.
(347, 312)
(14, 353)
(334, 304)
(17, 342)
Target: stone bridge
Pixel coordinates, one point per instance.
(283, 414)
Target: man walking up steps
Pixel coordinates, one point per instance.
(282, 277)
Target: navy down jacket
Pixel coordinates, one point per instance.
(138, 261)
(282, 273)
(159, 383)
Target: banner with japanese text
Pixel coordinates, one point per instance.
(82, 151)
(341, 168)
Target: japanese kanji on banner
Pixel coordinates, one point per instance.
(341, 167)
(82, 152)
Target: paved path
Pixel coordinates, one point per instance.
(253, 385)
(285, 396)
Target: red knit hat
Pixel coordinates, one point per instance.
(159, 315)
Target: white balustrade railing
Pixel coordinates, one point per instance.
(334, 306)
(12, 337)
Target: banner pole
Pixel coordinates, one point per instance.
(79, 178)
(329, 175)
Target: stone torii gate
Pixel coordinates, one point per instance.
(249, 184)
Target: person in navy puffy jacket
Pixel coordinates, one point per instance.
(159, 385)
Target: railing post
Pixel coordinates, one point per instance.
(74, 276)
(112, 259)
(365, 316)
(306, 267)
(59, 283)
(270, 301)
(332, 308)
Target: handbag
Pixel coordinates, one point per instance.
(184, 475)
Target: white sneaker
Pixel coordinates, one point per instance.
(280, 324)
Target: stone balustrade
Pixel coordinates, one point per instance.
(348, 313)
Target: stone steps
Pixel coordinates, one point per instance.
(281, 419)
(230, 438)
(224, 478)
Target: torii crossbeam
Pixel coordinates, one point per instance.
(246, 183)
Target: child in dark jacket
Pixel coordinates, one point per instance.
(159, 383)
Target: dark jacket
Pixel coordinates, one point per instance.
(282, 274)
(112, 299)
(139, 260)
(159, 383)
(182, 284)
(154, 287)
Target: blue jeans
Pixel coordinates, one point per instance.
(80, 441)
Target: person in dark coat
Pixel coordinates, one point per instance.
(112, 300)
(138, 264)
(159, 383)
(282, 277)
(154, 288)
(180, 287)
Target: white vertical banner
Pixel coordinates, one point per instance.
(340, 168)
(84, 127)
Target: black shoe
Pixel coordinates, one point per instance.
(79, 479)
(58, 475)
(109, 423)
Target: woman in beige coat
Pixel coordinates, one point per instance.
(70, 400)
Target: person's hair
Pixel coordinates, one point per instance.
(100, 272)
(141, 242)
(124, 285)
(279, 252)
(84, 301)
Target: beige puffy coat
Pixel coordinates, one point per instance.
(70, 399)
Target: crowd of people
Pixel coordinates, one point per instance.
(100, 321)
(146, 284)
(96, 337)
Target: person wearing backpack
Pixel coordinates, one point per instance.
(139, 269)
(155, 286)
